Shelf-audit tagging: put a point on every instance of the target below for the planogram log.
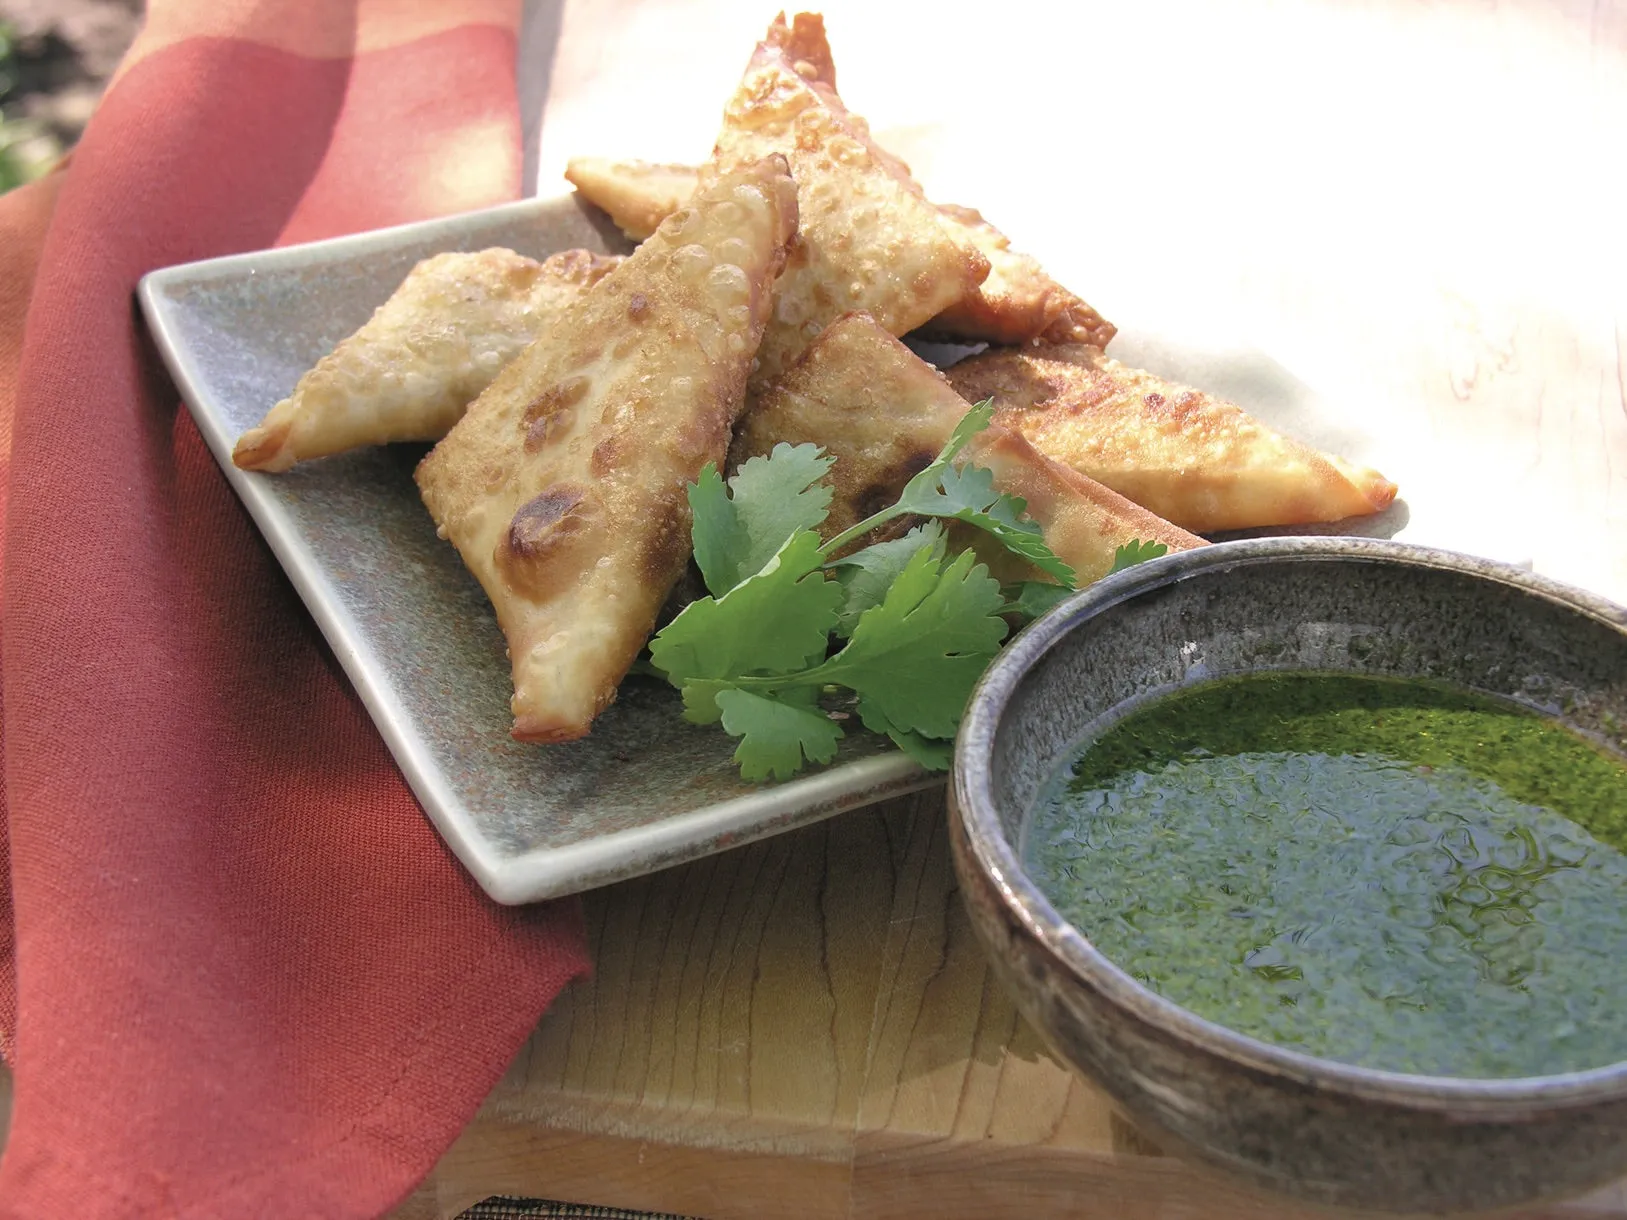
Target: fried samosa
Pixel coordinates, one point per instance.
(563, 485)
(1017, 303)
(884, 413)
(637, 194)
(868, 238)
(1194, 459)
(423, 357)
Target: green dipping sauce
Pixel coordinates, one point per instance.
(1392, 874)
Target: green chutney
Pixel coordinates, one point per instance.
(1393, 874)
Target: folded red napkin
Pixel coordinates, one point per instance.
(249, 979)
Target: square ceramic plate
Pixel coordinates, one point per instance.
(409, 623)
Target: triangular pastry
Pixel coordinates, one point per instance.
(563, 486)
(424, 356)
(1017, 303)
(868, 238)
(1190, 457)
(638, 195)
(884, 413)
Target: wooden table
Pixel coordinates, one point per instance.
(1392, 228)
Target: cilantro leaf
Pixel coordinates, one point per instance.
(967, 494)
(714, 529)
(932, 753)
(865, 575)
(917, 655)
(775, 735)
(920, 626)
(737, 531)
(925, 483)
(700, 695)
(700, 699)
(973, 422)
(960, 487)
(1034, 597)
(775, 621)
(1135, 551)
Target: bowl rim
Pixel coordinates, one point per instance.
(974, 806)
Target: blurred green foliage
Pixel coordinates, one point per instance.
(27, 150)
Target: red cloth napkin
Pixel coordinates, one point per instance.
(249, 979)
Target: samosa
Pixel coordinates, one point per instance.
(1194, 459)
(884, 413)
(563, 485)
(638, 195)
(1016, 303)
(868, 238)
(424, 356)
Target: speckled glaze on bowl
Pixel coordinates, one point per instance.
(1321, 1130)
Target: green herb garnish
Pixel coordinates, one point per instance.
(916, 626)
(1033, 598)
(967, 494)
(913, 627)
(1135, 551)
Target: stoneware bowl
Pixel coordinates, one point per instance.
(1310, 1127)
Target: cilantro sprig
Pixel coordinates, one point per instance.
(965, 494)
(902, 626)
(738, 530)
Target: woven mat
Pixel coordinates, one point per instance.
(500, 1207)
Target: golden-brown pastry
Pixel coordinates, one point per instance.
(1193, 459)
(563, 486)
(864, 397)
(885, 413)
(424, 356)
(1017, 303)
(868, 238)
(638, 195)
(1077, 323)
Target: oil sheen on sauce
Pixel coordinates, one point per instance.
(1393, 874)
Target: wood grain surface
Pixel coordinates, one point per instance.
(1390, 228)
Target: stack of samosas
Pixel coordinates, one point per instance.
(573, 400)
